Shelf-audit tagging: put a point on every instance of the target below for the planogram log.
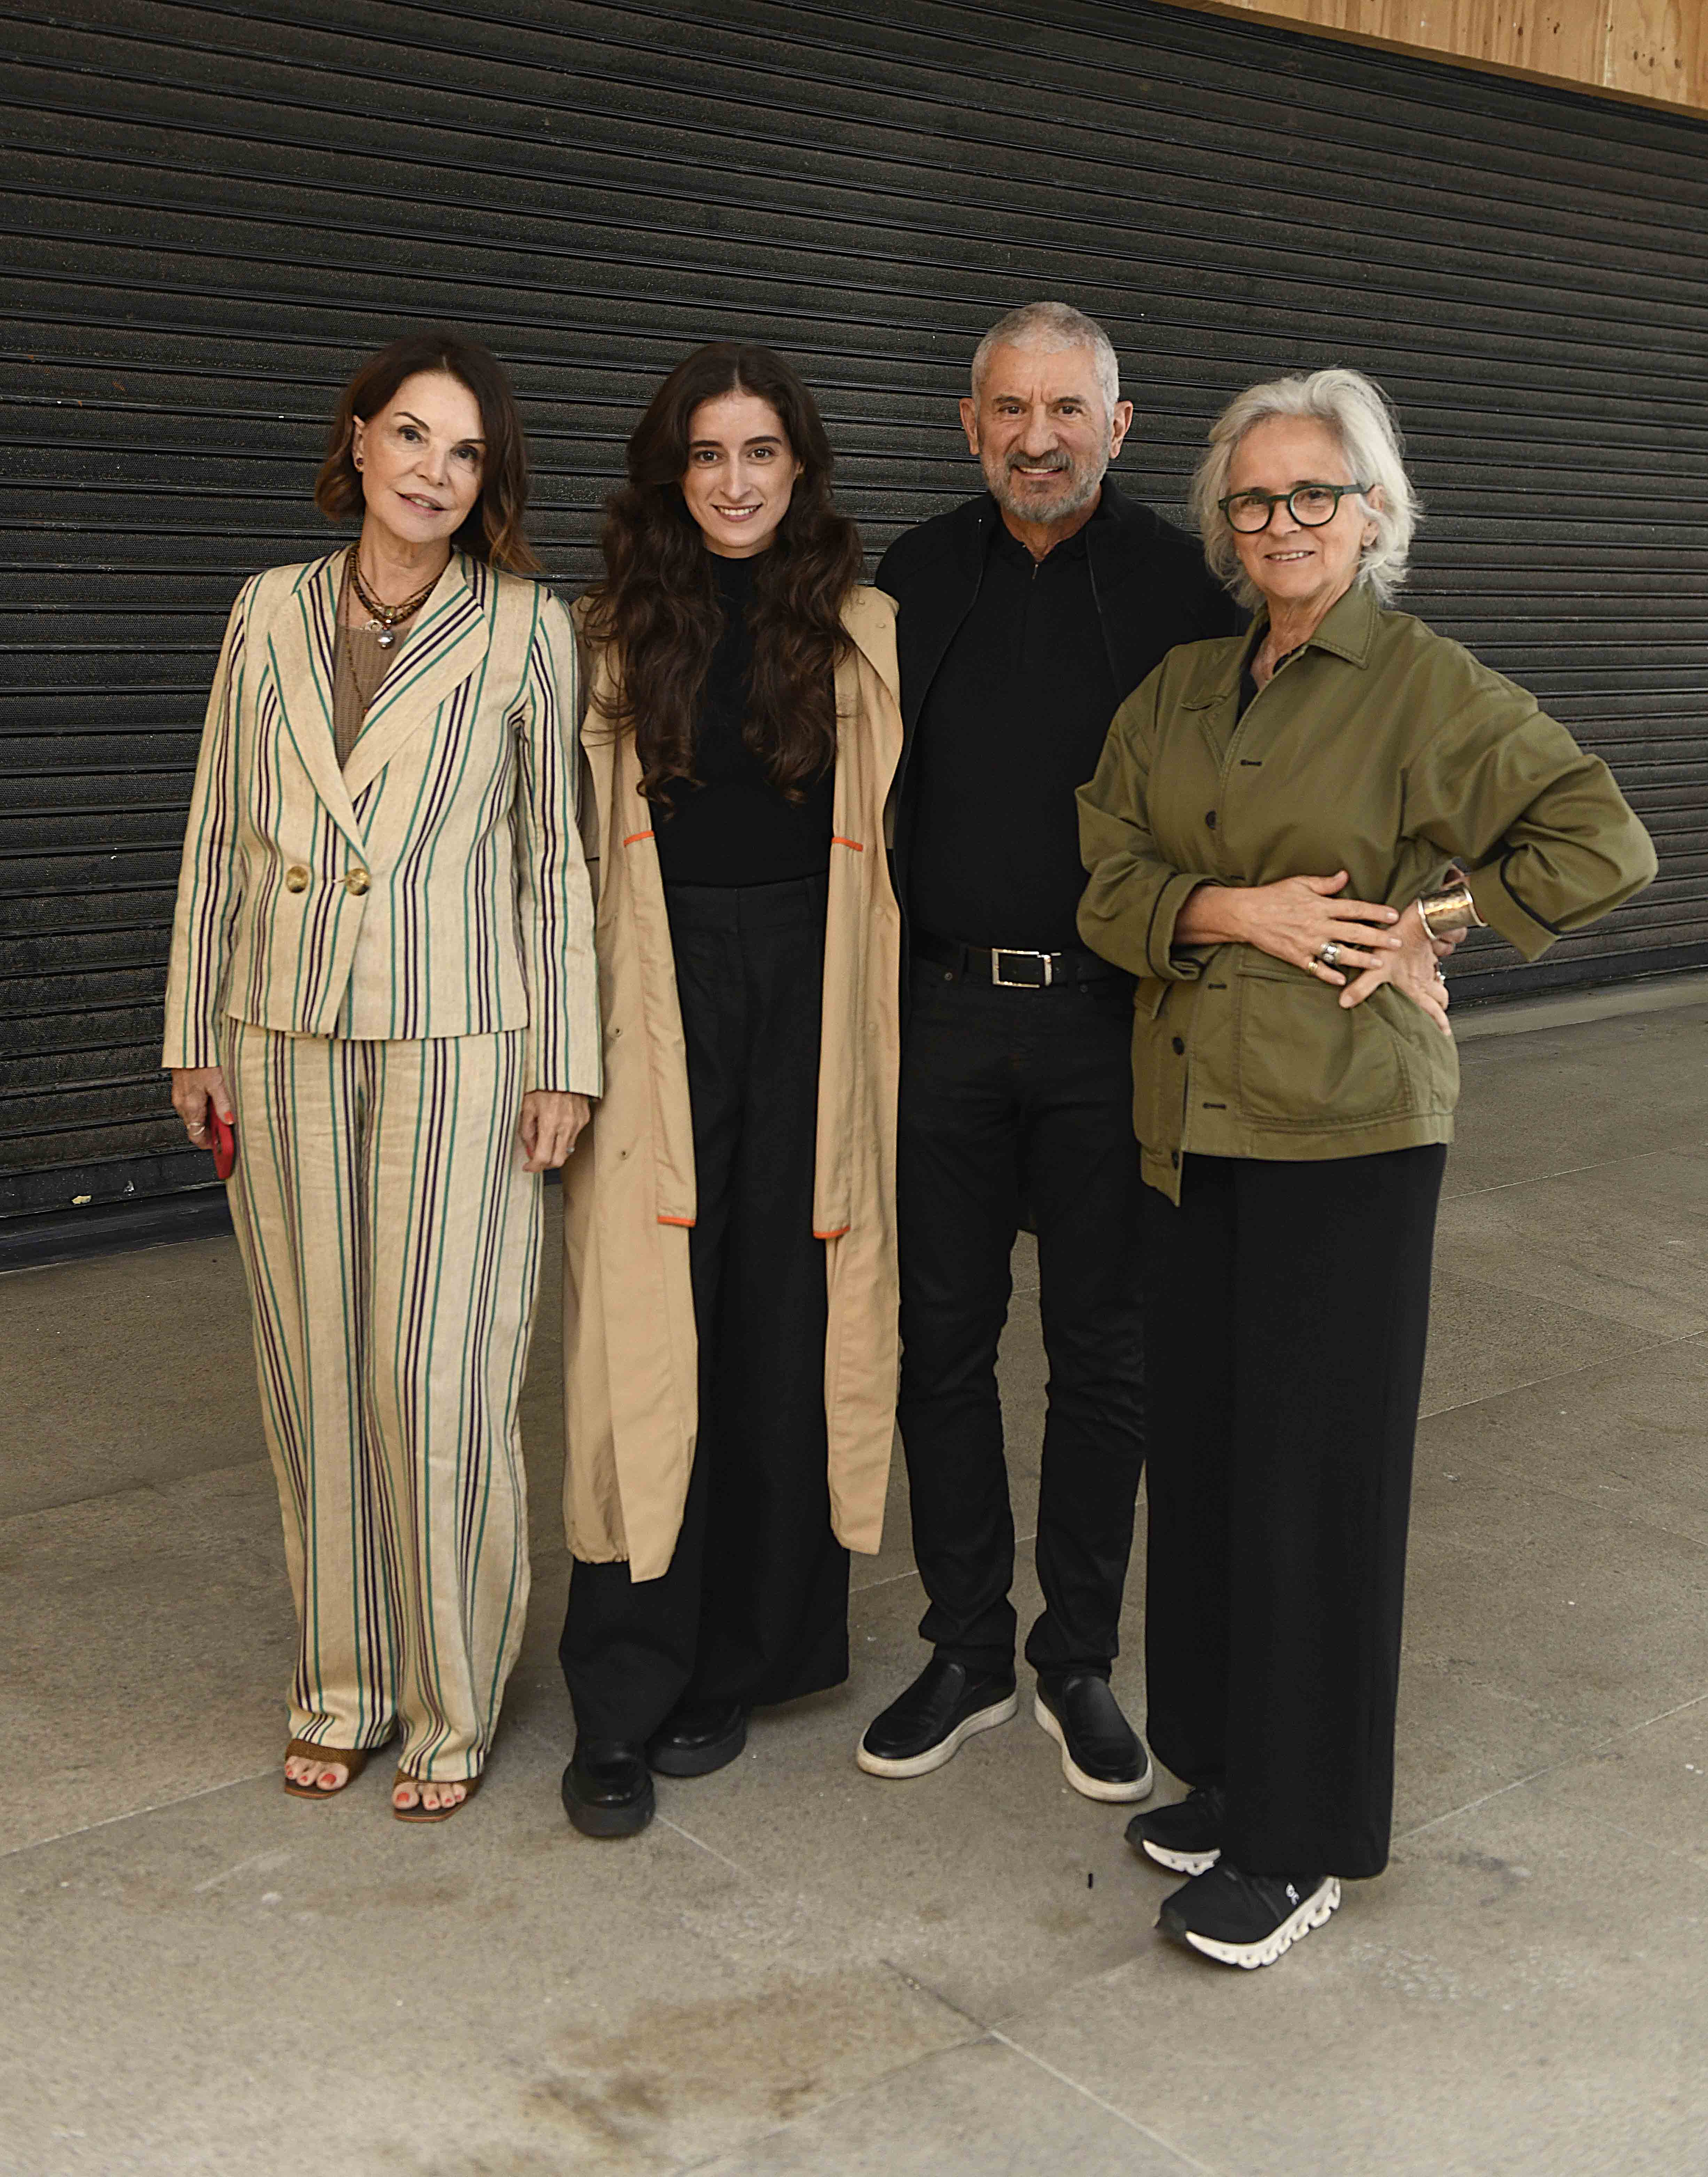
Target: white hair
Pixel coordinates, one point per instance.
(1361, 417)
(1051, 326)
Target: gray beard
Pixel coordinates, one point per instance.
(1083, 486)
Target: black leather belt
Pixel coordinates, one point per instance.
(1012, 970)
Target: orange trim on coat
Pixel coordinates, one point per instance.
(859, 845)
(634, 836)
(675, 1221)
(840, 1232)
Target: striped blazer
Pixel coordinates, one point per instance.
(436, 885)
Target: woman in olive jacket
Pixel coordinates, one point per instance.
(1269, 832)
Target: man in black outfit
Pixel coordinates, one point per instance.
(1027, 616)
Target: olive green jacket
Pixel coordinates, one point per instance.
(1380, 747)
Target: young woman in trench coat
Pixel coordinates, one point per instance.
(730, 1283)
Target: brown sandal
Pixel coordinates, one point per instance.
(354, 1758)
(419, 1813)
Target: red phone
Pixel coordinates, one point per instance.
(223, 1141)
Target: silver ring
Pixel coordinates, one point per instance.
(1329, 954)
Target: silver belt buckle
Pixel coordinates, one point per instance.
(999, 953)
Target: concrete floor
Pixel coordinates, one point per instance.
(799, 1969)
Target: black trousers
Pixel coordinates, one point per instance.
(754, 1605)
(1007, 1094)
(1287, 1310)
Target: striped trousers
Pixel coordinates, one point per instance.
(391, 1241)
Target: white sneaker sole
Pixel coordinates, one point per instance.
(1315, 1910)
(946, 1750)
(1181, 1862)
(1095, 1787)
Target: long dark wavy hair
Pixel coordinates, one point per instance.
(494, 530)
(657, 607)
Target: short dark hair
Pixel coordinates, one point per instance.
(493, 529)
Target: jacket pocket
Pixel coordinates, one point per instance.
(1429, 1059)
(1303, 1060)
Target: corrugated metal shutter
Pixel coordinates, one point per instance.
(212, 212)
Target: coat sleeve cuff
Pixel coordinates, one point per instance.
(187, 1047)
(583, 1076)
(1506, 914)
(1161, 958)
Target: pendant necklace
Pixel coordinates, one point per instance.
(385, 620)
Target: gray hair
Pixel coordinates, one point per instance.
(1051, 326)
(1361, 417)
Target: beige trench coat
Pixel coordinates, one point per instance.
(630, 1351)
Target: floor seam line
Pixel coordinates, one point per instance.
(1144, 2132)
(1541, 1178)
(156, 1487)
(1015, 2048)
(135, 1813)
(1565, 1375)
(1552, 1768)
(1516, 1474)
(734, 1866)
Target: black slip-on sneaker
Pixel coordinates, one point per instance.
(607, 1788)
(932, 1720)
(1102, 1755)
(696, 1740)
(1187, 1836)
(1247, 1920)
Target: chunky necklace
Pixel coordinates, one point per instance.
(384, 620)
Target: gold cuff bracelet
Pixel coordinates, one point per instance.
(1442, 912)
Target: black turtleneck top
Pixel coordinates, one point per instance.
(731, 826)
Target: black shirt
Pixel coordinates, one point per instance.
(1013, 725)
(731, 826)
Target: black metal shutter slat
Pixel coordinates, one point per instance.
(210, 212)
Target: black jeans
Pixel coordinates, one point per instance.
(754, 1605)
(1009, 1094)
(1287, 1312)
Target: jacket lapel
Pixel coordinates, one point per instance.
(448, 642)
(1123, 585)
(932, 617)
(300, 651)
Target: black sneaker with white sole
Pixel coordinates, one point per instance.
(932, 1720)
(1186, 1837)
(1247, 1920)
(1102, 1755)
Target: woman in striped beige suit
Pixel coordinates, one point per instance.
(382, 972)
(730, 1232)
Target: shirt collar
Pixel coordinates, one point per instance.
(1348, 629)
(1349, 626)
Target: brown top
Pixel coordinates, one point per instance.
(359, 665)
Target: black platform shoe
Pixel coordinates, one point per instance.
(1102, 1755)
(607, 1788)
(697, 1738)
(932, 1720)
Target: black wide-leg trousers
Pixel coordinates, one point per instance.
(1287, 1310)
(754, 1605)
(1006, 1095)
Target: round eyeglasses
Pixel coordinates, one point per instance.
(1309, 504)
